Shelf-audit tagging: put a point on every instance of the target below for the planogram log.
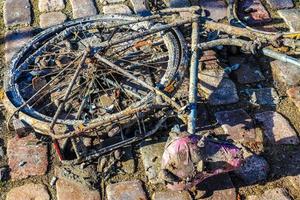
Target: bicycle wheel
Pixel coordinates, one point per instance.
(71, 87)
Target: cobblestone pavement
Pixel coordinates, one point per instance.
(258, 106)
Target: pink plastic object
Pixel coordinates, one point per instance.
(189, 159)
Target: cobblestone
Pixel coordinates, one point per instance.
(294, 95)
(51, 19)
(257, 14)
(237, 124)
(83, 8)
(117, 9)
(126, 190)
(247, 72)
(276, 128)
(177, 3)
(280, 4)
(263, 96)
(28, 192)
(140, 7)
(151, 154)
(286, 73)
(218, 88)
(51, 5)
(272, 194)
(214, 9)
(17, 12)
(172, 195)
(254, 169)
(14, 41)
(291, 18)
(67, 190)
(220, 186)
(26, 157)
(128, 162)
(209, 60)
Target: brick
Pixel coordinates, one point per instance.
(26, 157)
(280, 4)
(17, 12)
(51, 5)
(117, 9)
(263, 96)
(83, 8)
(213, 184)
(172, 195)
(214, 9)
(151, 155)
(254, 169)
(294, 95)
(276, 128)
(126, 190)
(217, 87)
(237, 124)
(291, 18)
(286, 73)
(140, 7)
(29, 192)
(52, 19)
(257, 14)
(15, 40)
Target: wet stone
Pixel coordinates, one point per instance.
(272, 194)
(276, 128)
(291, 18)
(177, 3)
(237, 124)
(29, 192)
(15, 40)
(247, 71)
(26, 157)
(117, 9)
(294, 95)
(51, 5)
(83, 8)
(214, 9)
(171, 195)
(253, 12)
(17, 12)
(280, 4)
(151, 154)
(66, 190)
(126, 190)
(286, 73)
(140, 7)
(218, 88)
(218, 187)
(52, 19)
(254, 169)
(263, 96)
